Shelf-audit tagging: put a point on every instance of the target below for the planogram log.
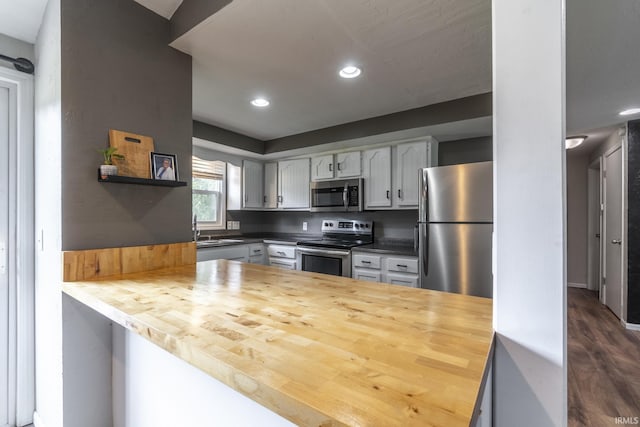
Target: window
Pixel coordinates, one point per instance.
(208, 195)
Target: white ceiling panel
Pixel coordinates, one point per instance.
(412, 52)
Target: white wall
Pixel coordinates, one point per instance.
(577, 216)
(530, 377)
(48, 136)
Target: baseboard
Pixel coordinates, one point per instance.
(631, 326)
(37, 421)
(577, 285)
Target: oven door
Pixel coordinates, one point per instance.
(328, 261)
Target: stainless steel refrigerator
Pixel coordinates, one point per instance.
(455, 226)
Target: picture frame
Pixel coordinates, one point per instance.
(164, 167)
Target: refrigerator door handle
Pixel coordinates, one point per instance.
(423, 250)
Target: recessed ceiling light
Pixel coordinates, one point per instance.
(349, 72)
(630, 111)
(260, 102)
(574, 141)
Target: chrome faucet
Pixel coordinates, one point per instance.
(194, 228)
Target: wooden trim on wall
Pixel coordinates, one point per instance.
(94, 264)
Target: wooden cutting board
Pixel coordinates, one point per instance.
(136, 150)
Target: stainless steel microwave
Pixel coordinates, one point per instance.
(344, 195)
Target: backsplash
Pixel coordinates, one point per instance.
(388, 224)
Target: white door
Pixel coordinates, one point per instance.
(348, 164)
(613, 230)
(252, 185)
(322, 167)
(293, 181)
(594, 227)
(409, 158)
(271, 185)
(377, 176)
(6, 394)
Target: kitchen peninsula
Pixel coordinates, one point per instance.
(316, 349)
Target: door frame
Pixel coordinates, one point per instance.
(21, 246)
(594, 191)
(622, 145)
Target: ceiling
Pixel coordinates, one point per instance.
(413, 53)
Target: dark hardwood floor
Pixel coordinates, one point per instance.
(603, 364)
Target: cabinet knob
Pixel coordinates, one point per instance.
(331, 167)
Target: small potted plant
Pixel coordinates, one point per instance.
(108, 168)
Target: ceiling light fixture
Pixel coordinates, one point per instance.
(350, 72)
(630, 111)
(260, 102)
(574, 141)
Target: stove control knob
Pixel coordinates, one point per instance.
(331, 224)
(367, 226)
(357, 225)
(326, 224)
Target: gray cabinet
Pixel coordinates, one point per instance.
(252, 184)
(377, 177)
(270, 198)
(293, 184)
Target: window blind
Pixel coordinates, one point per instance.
(211, 169)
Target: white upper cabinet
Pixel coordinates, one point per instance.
(293, 184)
(270, 199)
(322, 167)
(410, 157)
(377, 177)
(348, 164)
(252, 184)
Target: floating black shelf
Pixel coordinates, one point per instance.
(117, 179)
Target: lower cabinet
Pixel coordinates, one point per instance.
(397, 270)
(252, 253)
(282, 256)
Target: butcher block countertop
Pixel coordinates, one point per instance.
(319, 350)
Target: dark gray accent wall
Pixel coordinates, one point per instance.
(192, 12)
(119, 73)
(226, 137)
(388, 224)
(633, 223)
(465, 151)
(444, 112)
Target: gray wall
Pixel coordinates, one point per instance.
(119, 73)
(388, 224)
(16, 49)
(465, 151)
(577, 214)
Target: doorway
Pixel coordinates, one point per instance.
(613, 243)
(17, 351)
(594, 227)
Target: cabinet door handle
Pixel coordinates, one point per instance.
(388, 194)
(264, 198)
(339, 168)
(399, 194)
(402, 265)
(279, 199)
(330, 167)
(365, 262)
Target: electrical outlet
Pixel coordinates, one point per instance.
(304, 226)
(236, 225)
(229, 225)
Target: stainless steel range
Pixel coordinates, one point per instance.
(332, 253)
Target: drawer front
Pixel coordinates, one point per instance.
(287, 264)
(369, 276)
(403, 265)
(256, 259)
(282, 251)
(366, 261)
(403, 280)
(256, 249)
